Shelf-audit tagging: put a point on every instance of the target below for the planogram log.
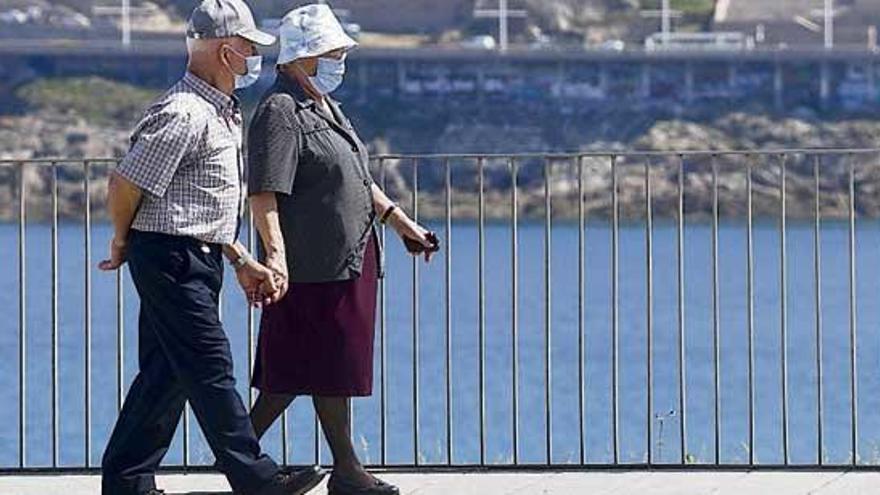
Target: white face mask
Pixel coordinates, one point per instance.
(254, 69)
(329, 75)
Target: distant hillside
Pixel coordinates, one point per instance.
(60, 122)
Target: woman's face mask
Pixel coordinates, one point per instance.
(254, 67)
(329, 76)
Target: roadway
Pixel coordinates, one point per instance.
(175, 47)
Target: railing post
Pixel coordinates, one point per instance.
(682, 343)
(87, 344)
(55, 319)
(615, 351)
(548, 312)
(514, 292)
(448, 308)
(817, 288)
(22, 318)
(853, 326)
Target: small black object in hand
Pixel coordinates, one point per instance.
(415, 247)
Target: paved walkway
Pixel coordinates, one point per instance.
(593, 483)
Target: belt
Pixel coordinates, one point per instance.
(205, 247)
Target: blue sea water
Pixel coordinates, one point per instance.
(563, 317)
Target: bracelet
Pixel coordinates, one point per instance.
(388, 212)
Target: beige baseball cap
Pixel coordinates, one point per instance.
(225, 19)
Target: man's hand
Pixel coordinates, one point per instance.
(258, 283)
(117, 256)
(277, 263)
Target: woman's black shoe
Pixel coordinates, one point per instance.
(341, 486)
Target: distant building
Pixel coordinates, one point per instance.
(797, 22)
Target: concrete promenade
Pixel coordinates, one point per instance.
(550, 483)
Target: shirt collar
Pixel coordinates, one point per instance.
(293, 88)
(223, 102)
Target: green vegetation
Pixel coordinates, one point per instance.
(99, 101)
(689, 7)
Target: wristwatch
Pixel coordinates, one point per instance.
(241, 260)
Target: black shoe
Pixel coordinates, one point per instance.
(295, 482)
(341, 486)
(155, 491)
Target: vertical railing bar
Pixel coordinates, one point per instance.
(351, 412)
(22, 318)
(285, 449)
(682, 363)
(548, 331)
(615, 407)
(783, 306)
(854, 418)
(716, 323)
(316, 427)
(581, 323)
(817, 288)
(750, 305)
(55, 320)
(649, 310)
(415, 319)
(186, 413)
(514, 292)
(120, 339)
(482, 303)
(383, 384)
(448, 287)
(88, 314)
(251, 240)
(185, 446)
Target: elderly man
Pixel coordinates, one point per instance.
(176, 202)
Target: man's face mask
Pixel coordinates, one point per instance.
(254, 67)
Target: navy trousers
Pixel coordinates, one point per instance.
(183, 354)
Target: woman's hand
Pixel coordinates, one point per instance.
(406, 228)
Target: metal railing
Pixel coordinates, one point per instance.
(823, 173)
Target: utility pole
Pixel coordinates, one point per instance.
(124, 12)
(665, 21)
(503, 13)
(666, 14)
(829, 24)
(126, 23)
(503, 27)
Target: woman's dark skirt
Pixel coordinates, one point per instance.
(318, 340)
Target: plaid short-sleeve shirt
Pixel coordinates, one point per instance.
(186, 156)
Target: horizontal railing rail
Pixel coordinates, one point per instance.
(554, 324)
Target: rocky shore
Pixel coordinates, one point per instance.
(68, 136)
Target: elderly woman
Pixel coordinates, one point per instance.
(315, 207)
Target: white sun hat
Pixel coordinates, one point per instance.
(311, 31)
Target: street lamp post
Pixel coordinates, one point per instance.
(829, 24)
(126, 23)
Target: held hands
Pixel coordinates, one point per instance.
(277, 264)
(260, 284)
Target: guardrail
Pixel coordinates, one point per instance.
(649, 167)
